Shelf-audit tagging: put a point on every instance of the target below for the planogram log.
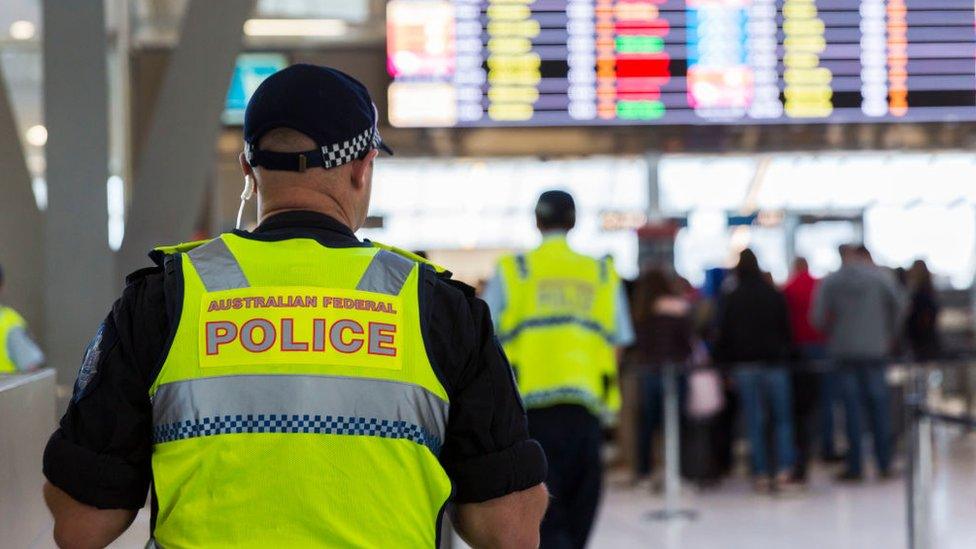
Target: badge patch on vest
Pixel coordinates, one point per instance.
(300, 325)
(565, 296)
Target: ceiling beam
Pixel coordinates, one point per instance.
(177, 157)
(20, 222)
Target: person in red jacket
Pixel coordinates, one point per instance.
(813, 392)
(799, 298)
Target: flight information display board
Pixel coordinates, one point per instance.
(627, 62)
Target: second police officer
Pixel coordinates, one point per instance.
(562, 318)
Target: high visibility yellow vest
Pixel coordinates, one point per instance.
(557, 326)
(297, 406)
(9, 321)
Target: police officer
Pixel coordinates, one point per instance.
(562, 317)
(295, 386)
(18, 352)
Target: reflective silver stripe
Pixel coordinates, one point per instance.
(298, 404)
(550, 321)
(386, 273)
(563, 395)
(217, 266)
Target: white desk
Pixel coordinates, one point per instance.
(26, 421)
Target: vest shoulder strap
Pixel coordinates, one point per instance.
(180, 248)
(412, 257)
(514, 265)
(159, 253)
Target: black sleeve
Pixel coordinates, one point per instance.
(100, 454)
(722, 337)
(786, 336)
(487, 452)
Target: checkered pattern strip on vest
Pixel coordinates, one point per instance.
(284, 423)
(563, 395)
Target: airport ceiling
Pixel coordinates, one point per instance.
(154, 24)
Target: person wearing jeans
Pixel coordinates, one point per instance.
(812, 398)
(860, 308)
(754, 340)
(761, 387)
(663, 333)
(864, 382)
(829, 397)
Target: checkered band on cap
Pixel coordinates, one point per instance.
(347, 151)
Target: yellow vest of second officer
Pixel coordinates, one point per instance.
(9, 321)
(557, 326)
(297, 406)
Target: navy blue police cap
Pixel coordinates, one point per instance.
(329, 106)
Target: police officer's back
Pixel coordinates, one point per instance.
(295, 385)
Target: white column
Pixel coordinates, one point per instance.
(178, 157)
(81, 283)
(20, 223)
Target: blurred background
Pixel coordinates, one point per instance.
(687, 131)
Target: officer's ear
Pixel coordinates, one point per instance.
(362, 168)
(246, 168)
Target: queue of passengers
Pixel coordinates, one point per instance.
(783, 361)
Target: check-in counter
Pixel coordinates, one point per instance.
(27, 405)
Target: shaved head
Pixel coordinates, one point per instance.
(286, 140)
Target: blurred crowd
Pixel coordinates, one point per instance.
(799, 369)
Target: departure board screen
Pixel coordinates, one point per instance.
(629, 62)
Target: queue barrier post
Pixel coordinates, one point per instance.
(672, 451)
(920, 464)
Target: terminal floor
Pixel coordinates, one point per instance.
(826, 516)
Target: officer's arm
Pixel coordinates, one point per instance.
(25, 353)
(77, 525)
(98, 461)
(509, 521)
(623, 335)
(496, 469)
(494, 296)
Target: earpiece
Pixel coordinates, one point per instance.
(245, 196)
(248, 187)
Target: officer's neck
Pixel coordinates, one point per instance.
(308, 202)
(554, 234)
